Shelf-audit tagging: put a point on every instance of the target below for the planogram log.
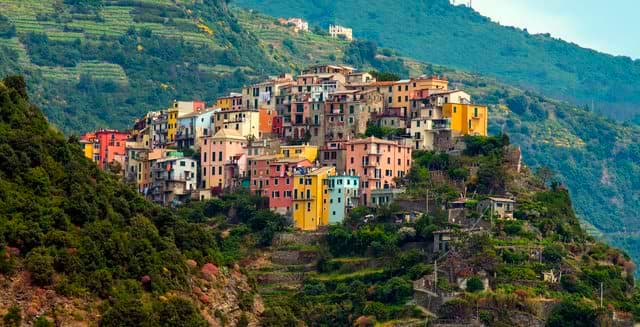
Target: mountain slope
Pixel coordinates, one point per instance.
(456, 36)
(595, 157)
(101, 63)
(77, 246)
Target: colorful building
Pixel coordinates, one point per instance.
(266, 121)
(467, 119)
(343, 196)
(233, 101)
(281, 183)
(105, 146)
(216, 152)
(378, 162)
(173, 179)
(245, 121)
(178, 109)
(258, 167)
(311, 198)
(309, 152)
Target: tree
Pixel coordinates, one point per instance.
(474, 284)
(13, 317)
(572, 313)
(545, 174)
(40, 265)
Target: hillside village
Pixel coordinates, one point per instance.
(316, 145)
(390, 186)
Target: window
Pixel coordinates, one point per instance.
(469, 124)
(390, 100)
(399, 99)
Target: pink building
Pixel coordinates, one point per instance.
(217, 152)
(377, 162)
(281, 183)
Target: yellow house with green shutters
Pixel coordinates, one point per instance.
(466, 118)
(311, 198)
(309, 152)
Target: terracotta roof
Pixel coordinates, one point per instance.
(289, 160)
(385, 83)
(266, 157)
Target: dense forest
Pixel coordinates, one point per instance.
(82, 233)
(457, 36)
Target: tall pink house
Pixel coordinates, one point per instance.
(377, 162)
(281, 183)
(219, 151)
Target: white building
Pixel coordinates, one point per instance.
(337, 31)
(173, 179)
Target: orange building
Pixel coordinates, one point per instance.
(266, 120)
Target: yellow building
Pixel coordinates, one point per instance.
(467, 119)
(309, 152)
(172, 123)
(87, 149)
(311, 198)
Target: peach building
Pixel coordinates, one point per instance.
(377, 162)
(216, 152)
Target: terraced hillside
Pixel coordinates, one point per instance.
(298, 49)
(101, 65)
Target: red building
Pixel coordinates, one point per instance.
(281, 183)
(105, 146)
(278, 126)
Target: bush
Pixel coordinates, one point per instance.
(40, 264)
(13, 317)
(395, 291)
(572, 313)
(553, 253)
(474, 284)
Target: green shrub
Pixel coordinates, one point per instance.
(40, 264)
(474, 284)
(13, 317)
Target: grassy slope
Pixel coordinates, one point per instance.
(438, 32)
(147, 78)
(596, 157)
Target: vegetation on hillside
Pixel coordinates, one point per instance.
(103, 63)
(366, 266)
(456, 36)
(82, 233)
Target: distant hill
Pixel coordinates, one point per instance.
(459, 37)
(101, 63)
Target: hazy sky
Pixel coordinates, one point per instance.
(608, 26)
